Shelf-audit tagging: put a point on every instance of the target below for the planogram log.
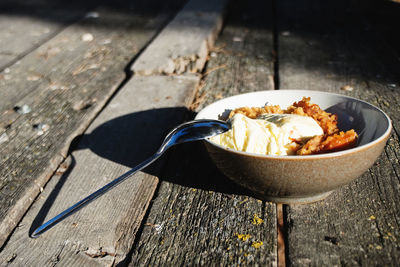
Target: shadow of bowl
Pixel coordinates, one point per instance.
(130, 139)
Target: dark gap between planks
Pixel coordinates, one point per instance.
(275, 39)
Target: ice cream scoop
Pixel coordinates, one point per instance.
(269, 134)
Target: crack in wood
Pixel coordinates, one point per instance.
(56, 259)
(12, 258)
(332, 239)
(181, 65)
(99, 253)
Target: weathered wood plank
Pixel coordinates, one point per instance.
(174, 52)
(381, 17)
(26, 25)
(205, 227)
(199, 217)
(326, 46)
(125, 133)
(65, 82)
(242, 60)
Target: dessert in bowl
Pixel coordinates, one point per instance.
(301, 178)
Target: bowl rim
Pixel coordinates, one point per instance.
(381, 138)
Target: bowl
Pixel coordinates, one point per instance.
(301, 179)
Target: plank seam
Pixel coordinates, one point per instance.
(17, 213)
(15, 216)
(275, 44)
(281, 255)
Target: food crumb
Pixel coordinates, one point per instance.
(257, 244)
(33, 77)
(219, 96)
(372, 217)
(4, 138)
(347, 88)
(22, 110)
(92, 14)
(87, 37)
(257, 220)
(243, 237)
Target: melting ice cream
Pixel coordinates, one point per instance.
(269, 134)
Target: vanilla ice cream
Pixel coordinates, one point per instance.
(270, 134)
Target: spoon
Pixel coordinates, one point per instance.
(186, 132)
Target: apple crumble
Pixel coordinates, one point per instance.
(332, 138)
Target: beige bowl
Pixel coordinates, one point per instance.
(302, 179)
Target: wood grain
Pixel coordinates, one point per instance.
(176, 53)
(327, 47)
(65, 83)
(198, 216)
(24, 26)
(126, 132)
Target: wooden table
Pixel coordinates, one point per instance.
(81, 96)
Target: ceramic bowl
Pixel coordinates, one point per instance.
(301, 179)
